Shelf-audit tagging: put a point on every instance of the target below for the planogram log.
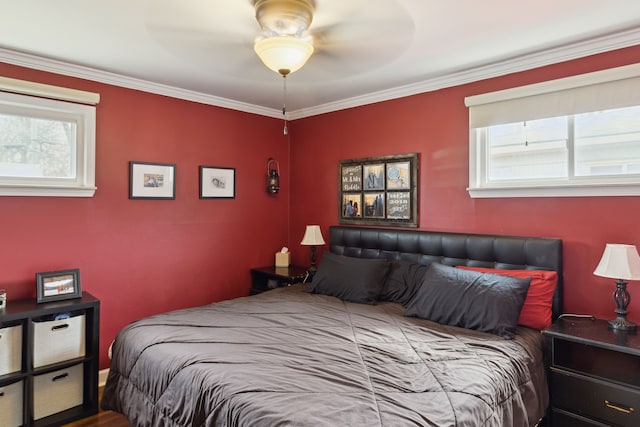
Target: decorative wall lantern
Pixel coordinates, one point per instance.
(273, 176)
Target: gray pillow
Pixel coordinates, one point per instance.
(484, 302)
(403, 281)
(351, 279)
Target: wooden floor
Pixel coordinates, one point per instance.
(103, 418)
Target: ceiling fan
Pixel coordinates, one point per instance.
(344, 37)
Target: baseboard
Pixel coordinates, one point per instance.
(102, 377)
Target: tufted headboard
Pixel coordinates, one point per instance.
(476, 250)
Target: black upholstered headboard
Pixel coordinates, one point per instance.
(476, 250)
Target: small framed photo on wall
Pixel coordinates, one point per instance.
(217, 182)
(152, 180)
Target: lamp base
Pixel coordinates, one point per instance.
(312, 270)
(622, 299)
(622, 324)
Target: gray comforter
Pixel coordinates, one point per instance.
(289, 358)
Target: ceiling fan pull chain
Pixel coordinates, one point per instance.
(284, 105)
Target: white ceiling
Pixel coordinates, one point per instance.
(366, 50)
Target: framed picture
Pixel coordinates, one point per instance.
(379, 190)
(58, 285)
(217, 182)
(351, 178)
(152, 180)
(399, 205)
(352, 205)
(374, 205)
(373, 177)
(398, 177)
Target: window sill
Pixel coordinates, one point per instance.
(556, 191)
(46, 191)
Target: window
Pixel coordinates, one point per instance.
(47, 146)
(571, 137)
(608, 143)
(526, 150)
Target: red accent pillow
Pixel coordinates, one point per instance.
(536, 311)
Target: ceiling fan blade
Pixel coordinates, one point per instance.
(206, 17)
(362, 41)
(204, 33)
(355, 18)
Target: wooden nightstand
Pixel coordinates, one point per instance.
(265, 278)
(594, 374)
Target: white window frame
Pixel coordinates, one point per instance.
(601, 90)
(52, 102)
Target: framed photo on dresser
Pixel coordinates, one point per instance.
(58, 285)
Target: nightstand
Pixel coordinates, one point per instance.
(594, 375)
(265, 278)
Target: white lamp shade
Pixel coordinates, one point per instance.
(312, 236)
(619, 262)
(283, 54)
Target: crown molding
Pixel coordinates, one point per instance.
(87, 73)
(525, 62)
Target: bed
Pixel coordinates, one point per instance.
(371, 341)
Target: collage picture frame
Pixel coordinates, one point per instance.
(379, 190)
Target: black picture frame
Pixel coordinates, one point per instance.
(58, 285)
(379, 190)
(217, 182)
(152, 180)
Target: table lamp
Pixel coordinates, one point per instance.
(620, 262)
(312, 237)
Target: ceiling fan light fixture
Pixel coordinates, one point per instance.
(284, 17)
(284, 54)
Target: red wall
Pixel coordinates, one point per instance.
(435, 125)
(141, 257)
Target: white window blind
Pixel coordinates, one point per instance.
(597, 91)
(542, 139)
(41, 90)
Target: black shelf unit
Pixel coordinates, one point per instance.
(24, 312)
